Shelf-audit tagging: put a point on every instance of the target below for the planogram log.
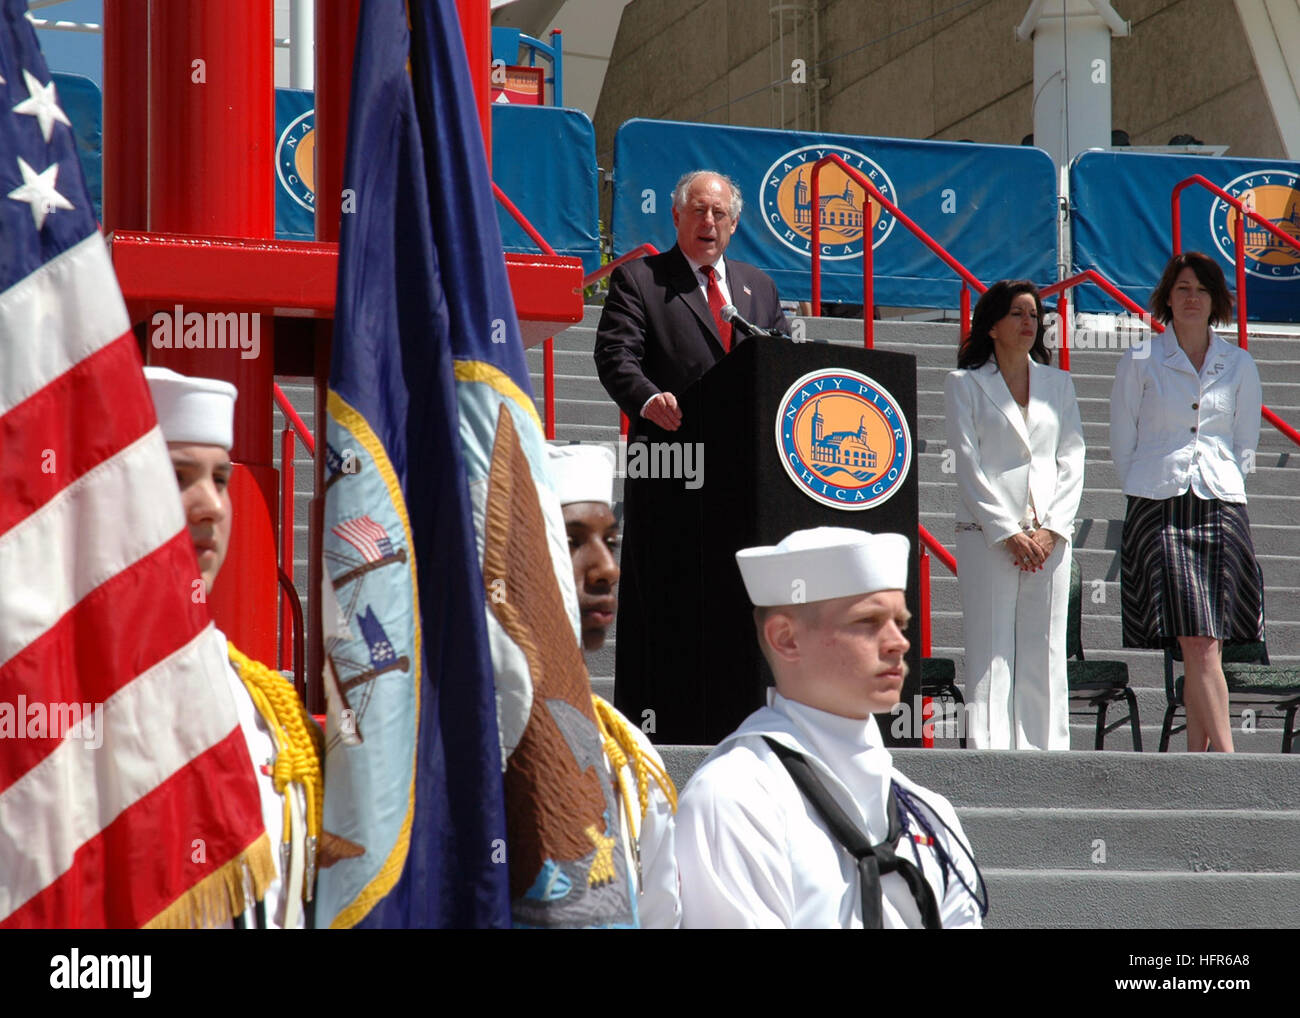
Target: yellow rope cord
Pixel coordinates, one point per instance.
(296, 737)
(622, 748)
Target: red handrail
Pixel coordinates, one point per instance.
(291, 415)
(286, 541)
(1239, 237)
(868, 295)
(548, 347)
(939, 551)
(1280, 424)
(608, 267)
(1063, 305)
(290, 609)
(522, 220)
(1092, 276)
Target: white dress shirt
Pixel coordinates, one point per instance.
(1172, 428)
(753, 853)
(1008, 459)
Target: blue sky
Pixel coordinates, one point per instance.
(74, 52)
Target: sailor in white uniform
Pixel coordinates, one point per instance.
(583, 478)
(798, 819)
(196, 416)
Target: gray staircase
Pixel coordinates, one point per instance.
(584, 412)
(1117, 840)
(1189, 841)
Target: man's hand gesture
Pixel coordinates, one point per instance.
(662, 410)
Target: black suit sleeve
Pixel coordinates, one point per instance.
(620, 344)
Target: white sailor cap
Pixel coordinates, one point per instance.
(197, 411)
(824, 563)
(582, 473)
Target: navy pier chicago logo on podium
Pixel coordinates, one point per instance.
(786, 193)
(843, 439)
(1273, 194)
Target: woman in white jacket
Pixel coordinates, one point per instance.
(1013, 425)
(1184, 424)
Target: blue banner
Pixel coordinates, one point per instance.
(993, 207)
(544, 159)
(1121, 225)
(295, 174)
(81, 101)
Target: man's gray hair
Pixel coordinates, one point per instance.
(687, 179)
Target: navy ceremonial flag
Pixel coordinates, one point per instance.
(464, 771)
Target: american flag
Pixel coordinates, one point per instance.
(367, 536)
(138, 807)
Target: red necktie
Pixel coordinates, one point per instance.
(715, 305)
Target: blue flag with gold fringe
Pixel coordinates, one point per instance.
(464, 770)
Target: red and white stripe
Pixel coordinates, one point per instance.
(96, 571)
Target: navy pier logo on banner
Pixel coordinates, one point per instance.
(843, 439)
(1275, 195)
(294, 159)
(787, 202)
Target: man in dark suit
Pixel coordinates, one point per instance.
(661, 328)
(660, 331)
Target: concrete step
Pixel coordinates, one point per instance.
(941, 495)
(1066, 899)
(1141, 840)
(1269, 539)
(1084, 780)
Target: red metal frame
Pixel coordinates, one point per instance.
(291, 638)
(549, 292)
(1239, 237)
(868, 260)
(1092, 276)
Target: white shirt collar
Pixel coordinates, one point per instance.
(851, 749)
(720, 267)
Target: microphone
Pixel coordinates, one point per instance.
(745, 328)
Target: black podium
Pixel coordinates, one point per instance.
(688, 667)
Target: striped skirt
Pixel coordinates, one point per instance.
(1188, 569)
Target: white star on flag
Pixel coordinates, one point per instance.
(42, 104)
(37, 189)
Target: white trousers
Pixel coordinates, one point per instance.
(1014, 624)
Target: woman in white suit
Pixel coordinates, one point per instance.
(1013, 425)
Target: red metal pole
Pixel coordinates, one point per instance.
(336, 41)
(816, 244)
(476, 27)
(927, 704)
(1240, 239)
(868, 278)
(965, 310)
(1063, 312)
(1175, 215)
(287, 451)
(126, 115)
(548, 384)
(211, 127)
